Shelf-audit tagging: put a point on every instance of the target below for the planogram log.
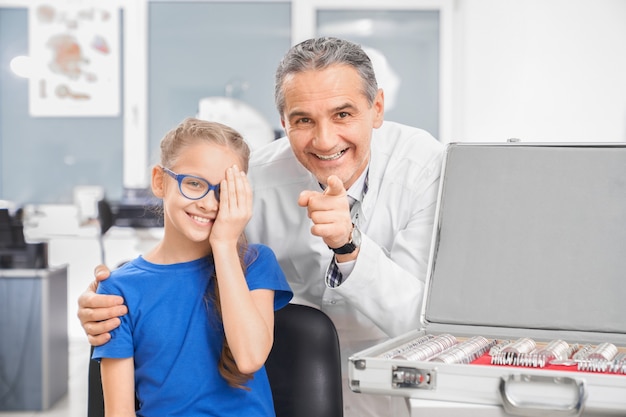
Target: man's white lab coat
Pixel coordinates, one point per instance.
(382, 296)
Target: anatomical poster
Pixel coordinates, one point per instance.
(74, 49)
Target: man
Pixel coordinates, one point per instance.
(346, 201)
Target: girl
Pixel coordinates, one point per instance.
(201, 303)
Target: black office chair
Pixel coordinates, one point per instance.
(304, 367)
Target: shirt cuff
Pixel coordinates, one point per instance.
(344, 269)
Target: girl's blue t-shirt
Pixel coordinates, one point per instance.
(175, 338)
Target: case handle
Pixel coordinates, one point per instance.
(532, 409)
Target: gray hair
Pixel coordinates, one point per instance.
(321, 53)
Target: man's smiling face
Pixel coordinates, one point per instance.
(329, 121)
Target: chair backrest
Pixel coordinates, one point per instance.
(95, 397)
(304, 366)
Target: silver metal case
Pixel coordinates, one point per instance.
(529, 241)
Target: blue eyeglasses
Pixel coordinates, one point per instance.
(192, 187)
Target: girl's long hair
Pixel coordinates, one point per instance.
(227, 365)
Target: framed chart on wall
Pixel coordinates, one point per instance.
(75, 55)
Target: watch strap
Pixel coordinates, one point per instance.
(351, 246)
(345, 249)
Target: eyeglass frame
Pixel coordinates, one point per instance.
(181, 177)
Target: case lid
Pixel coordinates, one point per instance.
(530, 236)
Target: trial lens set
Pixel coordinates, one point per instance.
(524, 352)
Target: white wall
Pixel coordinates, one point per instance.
(539, 70)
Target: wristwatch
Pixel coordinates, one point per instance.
(355, 242)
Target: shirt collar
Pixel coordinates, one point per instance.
(359, 188)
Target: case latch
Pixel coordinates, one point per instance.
(407, 377)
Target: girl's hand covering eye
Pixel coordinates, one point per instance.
(235, 207)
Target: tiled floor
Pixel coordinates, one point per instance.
(74, 404)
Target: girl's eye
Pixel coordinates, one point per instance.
(193, 183)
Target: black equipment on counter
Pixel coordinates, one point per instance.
(15, 253)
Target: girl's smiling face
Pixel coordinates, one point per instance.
(189, 222)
